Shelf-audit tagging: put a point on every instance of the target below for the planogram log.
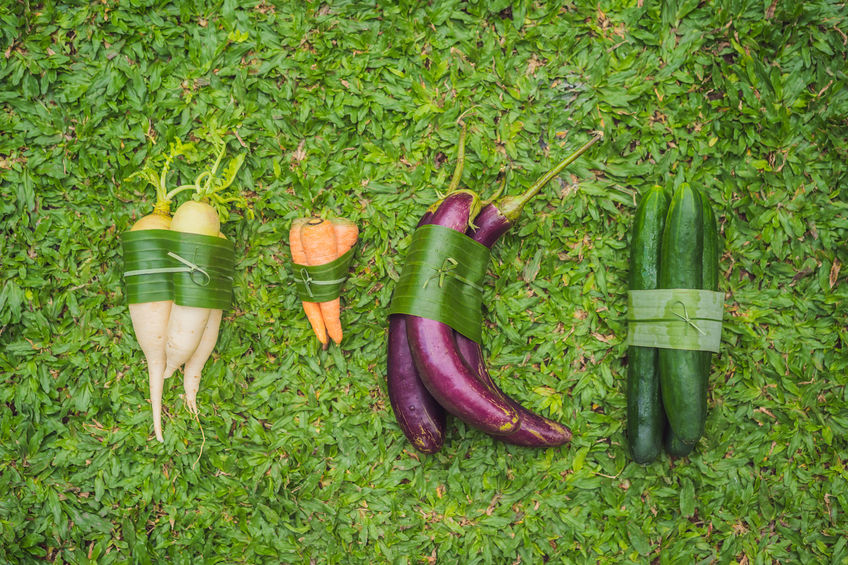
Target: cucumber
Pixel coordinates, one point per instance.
(681, 380)
(709, 263)
(645, 418)
(675, 447)
(709, 281)
(709, 269)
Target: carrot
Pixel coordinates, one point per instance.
(323, 246)
(312, 309)
(319, 244)
(346, 235)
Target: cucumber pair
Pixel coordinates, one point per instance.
(674, 245)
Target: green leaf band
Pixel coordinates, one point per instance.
(441, 280)
(322, 283)
(190, 269)
(675, 318)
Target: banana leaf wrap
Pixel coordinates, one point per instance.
(190, 269)
(146, 253)
(322, 283)
(211, 284)
(441, 280)
(675, 318)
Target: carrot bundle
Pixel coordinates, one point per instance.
(314, 242)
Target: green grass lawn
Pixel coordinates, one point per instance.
(353, 108)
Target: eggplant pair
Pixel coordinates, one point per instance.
(433, 369)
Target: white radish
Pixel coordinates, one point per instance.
(186, 324)
(150, 323)
(194, 366)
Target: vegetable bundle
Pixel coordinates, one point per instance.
(321, 251)
(178, 272)
(673, 332)
(435, 363)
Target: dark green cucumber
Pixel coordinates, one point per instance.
(709, 264)
(681, 381)
(675, 447)
(645, 418)
(709, 267)
(709, 281)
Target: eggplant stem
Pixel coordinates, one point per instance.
(511, 206)
(497, 193)
(465, 113)
(460, 162)
(546, 178)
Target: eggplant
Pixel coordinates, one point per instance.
(534, 430)
(450, 366)
(420, 417)
(493, 221)
(441, 368)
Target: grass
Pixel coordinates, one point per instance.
(353, 107)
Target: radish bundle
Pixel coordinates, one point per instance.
(437, 304)
(178, 272)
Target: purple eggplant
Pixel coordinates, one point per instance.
(441, 368)
(420, 417)
(534, 430)
(493, 221)
(454, 372)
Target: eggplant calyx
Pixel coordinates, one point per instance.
(475, 206)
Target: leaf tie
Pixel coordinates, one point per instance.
(446, 270)
(189, 268)
(192, 269)
(685, 317)
(308, 281)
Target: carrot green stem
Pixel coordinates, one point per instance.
(511, 206)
